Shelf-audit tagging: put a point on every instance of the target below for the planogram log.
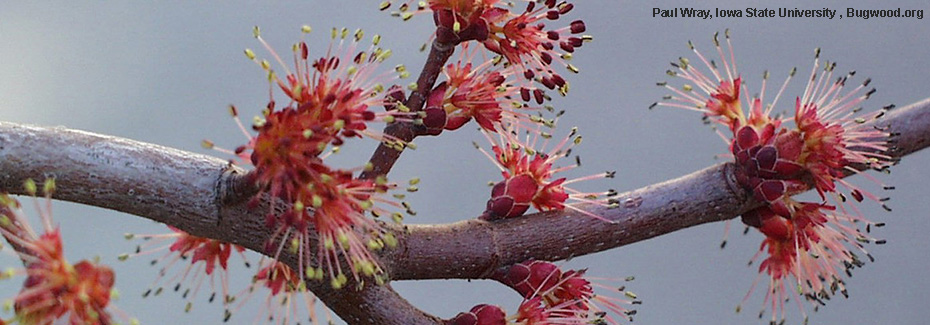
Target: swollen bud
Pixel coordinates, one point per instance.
(481, 315)
(511, 197)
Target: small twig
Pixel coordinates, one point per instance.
(384, 157)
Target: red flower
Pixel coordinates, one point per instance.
(54, 289)
(483, 93)
(813, 250)
(803, 241)
(522, 38)
(529, 175)
(329, 102)
(527, 44)
(567, 296)
(189, 250)
(550, 297)
(834, 135)
(717, 93)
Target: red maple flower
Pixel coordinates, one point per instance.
(809, 253)
(188, 250)
(551, 296)
(522, 38)
(834, 136)
(54, 290)
(717, 93)
(811, 243)
(529, 175)
(330, 101)
(485, 93)
(567, 295)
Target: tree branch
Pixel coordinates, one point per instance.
(192, 192)
(197, 194)
(474, 249)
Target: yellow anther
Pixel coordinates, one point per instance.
(383, 55)
(367, 204)
(328, 243)
(389, 240)
(572, 68)
(30, 186)
(374, 245)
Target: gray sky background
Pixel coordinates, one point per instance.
(164, 73)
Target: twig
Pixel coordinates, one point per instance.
(384, 157)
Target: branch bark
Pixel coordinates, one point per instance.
(384, 157)
(197, 194)
(192, 192)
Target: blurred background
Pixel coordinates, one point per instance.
(164, 73)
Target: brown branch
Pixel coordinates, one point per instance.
(384, 157)
(466, 249)
(192, 192)
(196, 193)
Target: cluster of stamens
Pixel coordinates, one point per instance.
(815, 243)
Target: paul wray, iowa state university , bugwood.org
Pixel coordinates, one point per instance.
(828, 13)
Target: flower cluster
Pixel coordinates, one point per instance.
(552, 296)
(486, 93)
(190, 251)
(814, 243)
(530, 175)
(54, 290)
(522, 38)
(329, 100)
